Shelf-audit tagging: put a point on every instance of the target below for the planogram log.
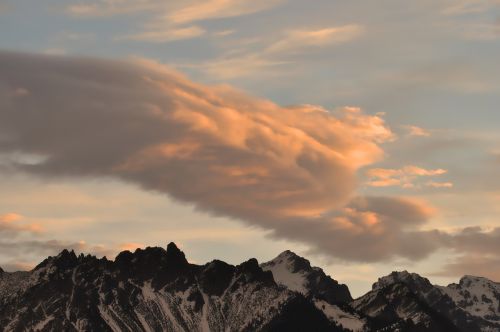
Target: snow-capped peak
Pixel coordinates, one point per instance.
(477, 295)
(297, 274)
(289, 270)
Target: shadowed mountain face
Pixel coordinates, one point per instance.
(154, 289)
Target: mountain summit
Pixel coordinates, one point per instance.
(156, 289)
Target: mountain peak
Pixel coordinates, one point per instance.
(294, 262)
(297, 274)
(400, 277)
(158, 289)
(175, 256)
(474, 279)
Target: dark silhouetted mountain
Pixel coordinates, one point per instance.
(156, 289)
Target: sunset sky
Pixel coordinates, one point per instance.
(363, 135)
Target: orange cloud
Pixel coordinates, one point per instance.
(404, 177)
(130, 246)
(439, 184)
(289, 170)
(12, 223)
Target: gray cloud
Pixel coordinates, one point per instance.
(368, 229)
(478, 265)
(290, 170)
(20, 239)
(475, 240)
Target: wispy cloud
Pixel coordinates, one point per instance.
(172, 34)
(462, 7)
(267, 57)
(170, 21)
(434, 184)
(213, 9)
(417, 131)
(179, 12)
(405, 177)
(100, 8)
(296, 40)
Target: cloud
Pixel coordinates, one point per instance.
(223, 33)
(277, 52)
(477, 251)
(289, 170)
(131, 246)
(113, 7)
(212, 9)
(179, 12)
(11, 224)
(20, 239)
(463, 7)
(439, 184)
(170, 34)
(301, 39)
(368, 229)
(404, 177)
(475, 240)
(215, 147)
(479, 265)
(417, 131)
(170, 21)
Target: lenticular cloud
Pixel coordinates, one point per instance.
(291, 170)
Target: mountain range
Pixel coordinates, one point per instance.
(156, 289)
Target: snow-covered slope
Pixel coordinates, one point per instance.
(478, 296)
(407, 297)
(343, 316)
(297, 274)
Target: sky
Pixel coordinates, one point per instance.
(362, 135)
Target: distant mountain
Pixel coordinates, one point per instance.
(412, 303)
(154, 289)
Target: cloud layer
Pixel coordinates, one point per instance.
(291, 170)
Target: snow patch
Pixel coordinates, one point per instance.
(334, 313)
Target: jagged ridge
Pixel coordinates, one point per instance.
(154, 289)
